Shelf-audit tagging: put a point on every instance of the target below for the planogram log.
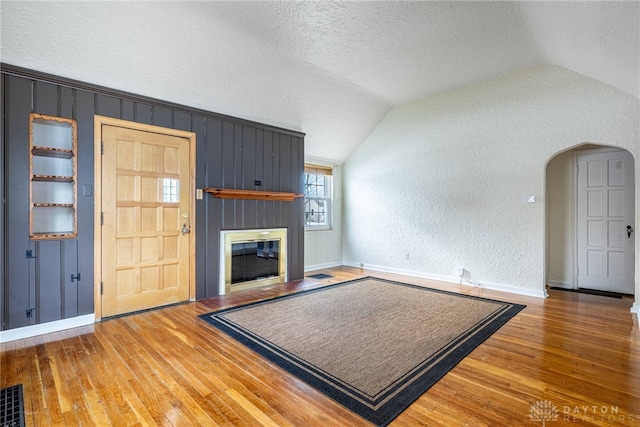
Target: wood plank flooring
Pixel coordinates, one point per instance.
(580, 353)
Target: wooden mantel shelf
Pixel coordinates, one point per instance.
(227, 193)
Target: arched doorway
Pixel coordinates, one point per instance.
(570, 261)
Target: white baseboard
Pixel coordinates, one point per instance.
(46, 328)
(563, 285)
(635, 308)
(322, 266)
(541, 293)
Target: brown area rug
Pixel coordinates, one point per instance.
(371, 344)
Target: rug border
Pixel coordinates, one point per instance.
(420, 383)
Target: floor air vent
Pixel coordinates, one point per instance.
(11, 407)
(320, 276)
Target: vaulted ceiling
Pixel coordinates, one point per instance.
(329, 69)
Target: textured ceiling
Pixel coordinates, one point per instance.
(329, 69)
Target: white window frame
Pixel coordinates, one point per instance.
(328, 172)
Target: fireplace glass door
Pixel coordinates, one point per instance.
(254, 260)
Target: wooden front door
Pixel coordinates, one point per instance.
(146, 219)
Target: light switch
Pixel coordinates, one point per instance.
(530, 199)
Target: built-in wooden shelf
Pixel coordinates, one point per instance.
(53, 143)
(49, 235)
(227, 193)
(53, 205)
(52, 152)
(52, 178)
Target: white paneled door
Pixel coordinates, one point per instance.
(606, 229)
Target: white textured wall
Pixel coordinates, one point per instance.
(560, 205)
(444, 179)
(323, 248)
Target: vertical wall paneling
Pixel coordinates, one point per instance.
(267, 177)
(45, 98)
(214, 153)
(285, 163)
(48, 281)
(84, 104)
(50, 278)
(183, 121)
(275, 163)
(32, 269)
(285, 207)
(47, 266)
(230, 153)
(162, 117)
(3, 241)
(213, 215)
(69, 288)
(198, 125)
(285, 175)
(143, 113)
(248, 161)
(65, 102)
(297, 206)
(127, 110)
(259, 167)
(106, 105)
(275, 177)
(19, 284)
(227, 174)
(238, 204)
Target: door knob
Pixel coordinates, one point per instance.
(185, 229)
(629, 231)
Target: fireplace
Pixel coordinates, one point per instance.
(252, 258)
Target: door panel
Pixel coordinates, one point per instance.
(145, 199)
(605, 208)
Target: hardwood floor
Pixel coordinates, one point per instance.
(166, 367)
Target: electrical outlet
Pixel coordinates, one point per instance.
(406, 256)
(460, 271)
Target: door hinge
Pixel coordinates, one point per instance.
(101, 287)
(101, 218)
(30, 254)
(30, 312)
(75, 277)
(101, 147)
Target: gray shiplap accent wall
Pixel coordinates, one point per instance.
(3, 241)
(230, 153)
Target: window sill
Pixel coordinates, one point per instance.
(327, 228)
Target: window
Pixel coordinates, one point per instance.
(317, 197)
(170, 190)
